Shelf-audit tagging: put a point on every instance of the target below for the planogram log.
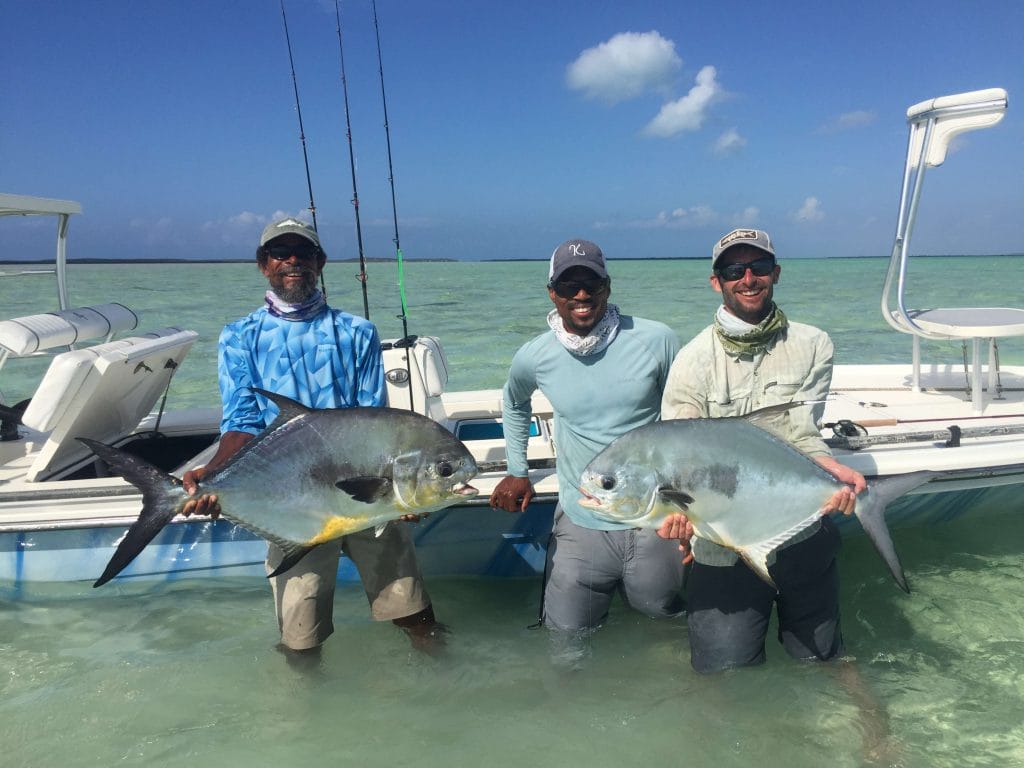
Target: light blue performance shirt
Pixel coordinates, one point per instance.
(595, 398)
(331, 361)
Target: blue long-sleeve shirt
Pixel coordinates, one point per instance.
(595, 398)
(331, 361)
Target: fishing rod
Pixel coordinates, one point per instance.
(361, 277)
(302, 133)
(406, 340)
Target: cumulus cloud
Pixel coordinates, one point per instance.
(678, 218)
(747, 217)
(729, 142)
(624, 67)
(689, 112)
(849, 121)
(244, 228)
(810, 211)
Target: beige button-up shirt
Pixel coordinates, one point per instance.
(706, 381)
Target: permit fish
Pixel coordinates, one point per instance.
(740, 485)
(312, 476)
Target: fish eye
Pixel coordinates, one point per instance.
(444, 469)
(607, 482)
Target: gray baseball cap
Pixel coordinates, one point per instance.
(289, 226)
(577, 253)
(755, 238)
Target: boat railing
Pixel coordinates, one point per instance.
(63, 210)
(933, 124)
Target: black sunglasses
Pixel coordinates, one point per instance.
(760, 268)
(569, 288)
(284, 252)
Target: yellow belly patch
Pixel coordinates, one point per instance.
(335, 527)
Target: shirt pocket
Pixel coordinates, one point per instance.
(782, 389)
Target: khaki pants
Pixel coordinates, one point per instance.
(304, 594)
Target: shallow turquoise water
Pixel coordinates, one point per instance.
(188, 675)
(483, 311)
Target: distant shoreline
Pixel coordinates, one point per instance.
(377, 260)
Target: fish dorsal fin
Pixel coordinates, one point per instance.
(756, 555)
(681, 499)
(764, 416)
(288, 408)
(365, 489)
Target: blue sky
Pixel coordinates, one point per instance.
(649, 127)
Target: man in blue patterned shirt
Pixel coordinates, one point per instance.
(297, 346)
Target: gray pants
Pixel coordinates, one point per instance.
(586, 567)
(729, 607)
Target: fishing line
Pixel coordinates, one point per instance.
(406, 340)
(361, 277)
(302, 133)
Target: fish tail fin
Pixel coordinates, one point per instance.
(870, 510)
(159, 504)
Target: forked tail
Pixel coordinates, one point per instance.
(870, 511)
(161, 497)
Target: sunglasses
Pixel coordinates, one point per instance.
(285, 252)
(569, 288)
(760, 268)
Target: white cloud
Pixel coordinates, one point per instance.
(679, 218)
(729, 142)
(624, 67)
(244, 228)
(810, 211)
(747, 217)
(849, 121)
(689, 112)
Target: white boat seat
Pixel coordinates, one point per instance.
(28, 335)
(101, 392)
(970, 322)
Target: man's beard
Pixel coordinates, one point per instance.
(296, 294)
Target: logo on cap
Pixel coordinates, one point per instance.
(738, 234)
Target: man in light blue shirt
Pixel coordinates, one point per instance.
(603, 373)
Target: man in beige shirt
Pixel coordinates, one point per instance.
(752, 357)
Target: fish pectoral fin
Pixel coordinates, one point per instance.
(292, 554)
(676, 497)
(365, 489)
(379, 530)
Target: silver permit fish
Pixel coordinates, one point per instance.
(312, 476)
(740, 486)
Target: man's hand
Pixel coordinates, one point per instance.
(513, 494)
(679, 527)
(845, 499)
(199, 505)
(207, 504)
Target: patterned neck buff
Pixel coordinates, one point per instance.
(307, 310)
(741, 338)
(596, 341)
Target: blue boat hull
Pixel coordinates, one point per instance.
(460, 541)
